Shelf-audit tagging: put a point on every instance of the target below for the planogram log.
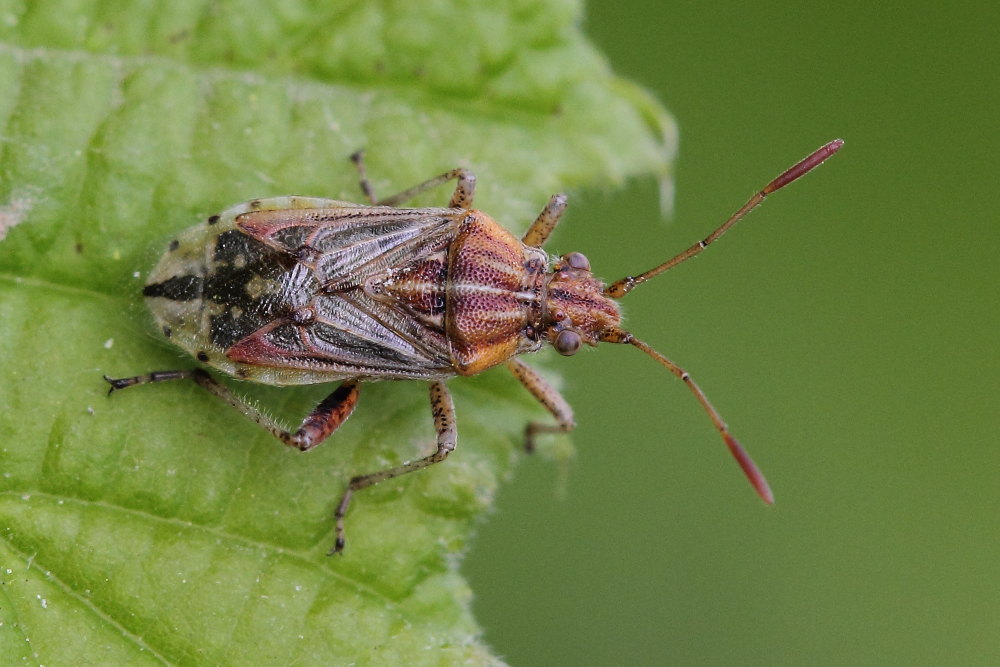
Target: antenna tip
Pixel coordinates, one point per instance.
(804, 166)
(750, 469)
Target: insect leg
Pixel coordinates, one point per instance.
(542, 227)
(461, 198)
(547, 396)
(358, 158)
(314, 429)
(325, 418)
(155, 376)
(443, 410)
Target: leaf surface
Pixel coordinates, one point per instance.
(158, 525)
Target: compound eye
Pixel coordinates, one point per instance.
(567, 342)
(577, 260)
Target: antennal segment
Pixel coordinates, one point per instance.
(750, 469)
(620, 288)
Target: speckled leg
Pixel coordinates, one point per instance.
(358, 158)
(462, 197)
(443, 410)
(314, 429)
(547, 396)
(542, 227)
(155, 376)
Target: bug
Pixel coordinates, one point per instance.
(299, 290)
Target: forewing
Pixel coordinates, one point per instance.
(352, 335)
(344, 245)
(347, 333)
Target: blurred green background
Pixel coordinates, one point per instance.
(847, 332)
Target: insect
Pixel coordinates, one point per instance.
(298, 290)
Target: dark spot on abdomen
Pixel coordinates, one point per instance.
(177, 288)
(244, 281)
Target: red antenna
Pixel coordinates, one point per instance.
(622, 287)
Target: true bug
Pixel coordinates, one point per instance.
(298, 290)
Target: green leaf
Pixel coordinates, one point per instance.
(159, 525)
